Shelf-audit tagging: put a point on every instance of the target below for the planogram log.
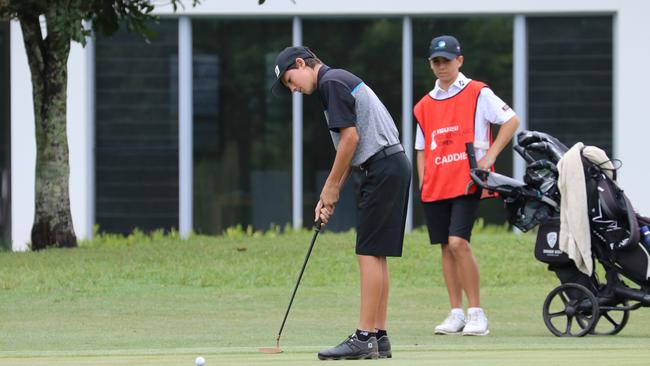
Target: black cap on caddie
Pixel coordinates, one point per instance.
(283, 61)
(444, 46)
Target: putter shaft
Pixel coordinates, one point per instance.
(317, 229)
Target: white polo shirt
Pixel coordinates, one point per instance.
(489, 109)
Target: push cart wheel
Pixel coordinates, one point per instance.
(612, 319)
(570, 310)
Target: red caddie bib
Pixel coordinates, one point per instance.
(447, 125)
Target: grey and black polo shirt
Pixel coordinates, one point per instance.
(349, 102)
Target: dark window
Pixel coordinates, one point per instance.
(5, 139)
(570, 78)
(372, 50)
(487, 49)
(137, 130)
(242, 133)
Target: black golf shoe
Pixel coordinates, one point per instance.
(384, 347)
(352, 349)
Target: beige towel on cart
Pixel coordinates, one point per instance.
(575, 234)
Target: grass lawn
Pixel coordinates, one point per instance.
(160, 301)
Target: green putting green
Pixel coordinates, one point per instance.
(160, 301)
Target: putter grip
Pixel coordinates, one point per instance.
(318, 224)
(471, 156)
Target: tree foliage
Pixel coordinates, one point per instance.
(106, 15)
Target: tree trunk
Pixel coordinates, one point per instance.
(48, 65)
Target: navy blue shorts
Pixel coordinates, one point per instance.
(382, 202)
(451, 217)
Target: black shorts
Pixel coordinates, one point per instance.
(382, 201)
(451, 217)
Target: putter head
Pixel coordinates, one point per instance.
(269, 350)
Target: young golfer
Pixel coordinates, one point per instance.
(458, 110)
(367, 144)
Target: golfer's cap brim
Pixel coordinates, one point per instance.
(447, 55)
(278, 89)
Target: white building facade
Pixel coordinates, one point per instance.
(90, 81)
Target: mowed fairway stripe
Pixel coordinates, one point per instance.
(461, 357)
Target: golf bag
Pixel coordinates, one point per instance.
(536, 201)
(582, 304)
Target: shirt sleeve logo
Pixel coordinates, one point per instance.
(277, 71)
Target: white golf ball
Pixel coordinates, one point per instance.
(200, 361)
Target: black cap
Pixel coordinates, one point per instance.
(283, 61)
(444, 46)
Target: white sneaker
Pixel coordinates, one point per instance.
(452, 325)
(477, 324)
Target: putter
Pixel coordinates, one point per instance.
(277, 348)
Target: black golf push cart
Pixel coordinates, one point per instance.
(581, 304)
